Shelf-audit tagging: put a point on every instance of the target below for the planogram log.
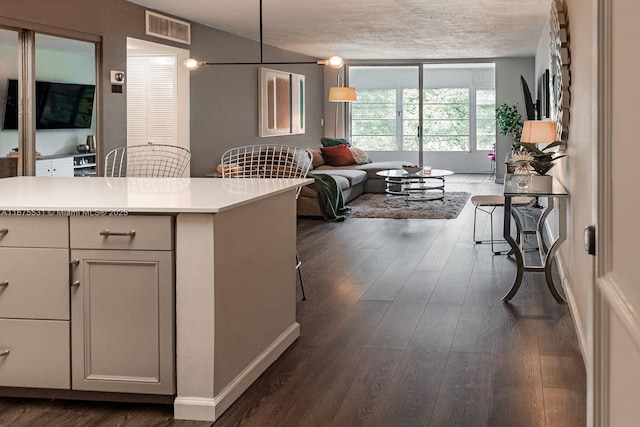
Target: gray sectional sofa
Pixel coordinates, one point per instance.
(353, 180)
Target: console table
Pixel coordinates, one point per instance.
(402, 183)
(556, 199)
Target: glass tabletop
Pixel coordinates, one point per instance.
(401, 173)
(520, 185)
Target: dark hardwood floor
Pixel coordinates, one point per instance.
(403, 326)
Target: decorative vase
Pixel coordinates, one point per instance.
(91, 142)
(541, 183)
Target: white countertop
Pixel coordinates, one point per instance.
(135, 195)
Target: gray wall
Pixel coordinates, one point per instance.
(224, 107)
(508, 90)
(224, 98)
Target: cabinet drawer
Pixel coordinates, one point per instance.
(34, 283)
(139, 232)
(34, 231)
(38, 354)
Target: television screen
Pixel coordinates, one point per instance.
(58, 105)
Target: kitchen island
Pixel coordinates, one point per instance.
(141, 288)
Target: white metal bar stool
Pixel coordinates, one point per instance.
(147, 161)
(488, 204)
(268, 161)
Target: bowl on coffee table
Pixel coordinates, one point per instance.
(411, 169)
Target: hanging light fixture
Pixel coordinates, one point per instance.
(333, 62)
(341, 94)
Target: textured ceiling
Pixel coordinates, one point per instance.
(377, 29)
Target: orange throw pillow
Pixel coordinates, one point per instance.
(338, 155)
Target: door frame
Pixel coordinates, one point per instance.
(602, 211)
(137, 47)
(27, 87)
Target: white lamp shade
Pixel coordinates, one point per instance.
(538, 131)
(342, 94)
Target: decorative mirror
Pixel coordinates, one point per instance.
(560, 78)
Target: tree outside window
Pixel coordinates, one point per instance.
(373, 120)
(446, 119)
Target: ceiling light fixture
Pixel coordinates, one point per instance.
(333, 62)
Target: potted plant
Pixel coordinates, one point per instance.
(509, 122)
(542, 161)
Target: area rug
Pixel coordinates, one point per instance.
(372, 205)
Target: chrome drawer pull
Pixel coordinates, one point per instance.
(4, 353)
(4, 230)
(75, 262)
(131, 233)
(4, 283)
(75, 284)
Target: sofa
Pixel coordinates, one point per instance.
(352, 179)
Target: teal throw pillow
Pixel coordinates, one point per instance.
(332, 142)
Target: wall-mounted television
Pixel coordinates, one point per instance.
(57, 105)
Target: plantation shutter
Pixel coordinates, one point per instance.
(152, 100)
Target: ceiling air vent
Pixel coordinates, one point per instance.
(168, 28)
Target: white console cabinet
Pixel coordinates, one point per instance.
(56, 167)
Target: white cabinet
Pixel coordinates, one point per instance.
(34, 302)
(67, 166)
(84, 164)
(122, 304)
(107, 326)
(61, 166)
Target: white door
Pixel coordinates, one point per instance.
(152, 105)
(157, 89)
(617, 307)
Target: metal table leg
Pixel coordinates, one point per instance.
(546, 255)
(515, 249)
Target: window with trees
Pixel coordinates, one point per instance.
(458, 107)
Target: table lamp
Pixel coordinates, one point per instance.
(538, 131)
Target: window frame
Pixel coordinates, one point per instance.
(400, 104)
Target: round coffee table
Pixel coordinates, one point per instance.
(402, 183)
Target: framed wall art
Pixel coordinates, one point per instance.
(281, 103)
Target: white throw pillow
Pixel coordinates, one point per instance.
(360, 156)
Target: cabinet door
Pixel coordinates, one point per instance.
(122, 311)
(43, 167)
(62, 167)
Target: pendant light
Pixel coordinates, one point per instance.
(333, 62)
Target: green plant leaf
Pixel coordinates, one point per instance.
(552, 145)
(531, 147)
